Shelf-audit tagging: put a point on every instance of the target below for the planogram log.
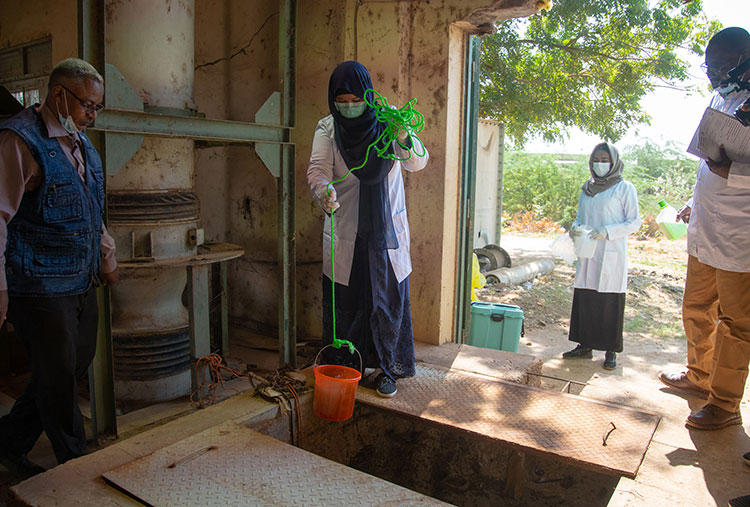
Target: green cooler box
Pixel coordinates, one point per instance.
(496, 326)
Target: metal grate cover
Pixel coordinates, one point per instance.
(230, 465)
(569, 427)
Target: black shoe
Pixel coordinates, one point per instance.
(610, 360)
(578, 352)
(746, 458)
(740, 501)
(386, 386)
(20, 465)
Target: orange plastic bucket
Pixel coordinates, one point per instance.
(335, 392)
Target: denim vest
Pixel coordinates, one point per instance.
(54, 240)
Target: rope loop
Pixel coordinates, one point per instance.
(404, 119)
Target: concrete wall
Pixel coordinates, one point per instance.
(237, 193)
(412, 49)
(458, 467)
(27, 20)
(486, 198)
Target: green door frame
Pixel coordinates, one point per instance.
(468, 189)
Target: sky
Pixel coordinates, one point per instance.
(674, 115)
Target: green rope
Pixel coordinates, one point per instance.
(406, 118)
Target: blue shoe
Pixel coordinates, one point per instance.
(386, 386)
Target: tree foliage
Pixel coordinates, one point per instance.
(660, 173)
(545, 185)
(586, 64)
(548, 186)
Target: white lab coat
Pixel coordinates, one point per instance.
(326, 165)
(615, 209)
(719, 228)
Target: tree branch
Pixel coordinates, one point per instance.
(578, 51)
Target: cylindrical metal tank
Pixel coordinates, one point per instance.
(151, 204)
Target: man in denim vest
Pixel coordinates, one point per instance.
(54, 251)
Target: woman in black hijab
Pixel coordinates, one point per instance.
(371, 231)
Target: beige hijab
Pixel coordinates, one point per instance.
(599, 184)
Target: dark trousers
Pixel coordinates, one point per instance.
(59, 334)
(374, 313)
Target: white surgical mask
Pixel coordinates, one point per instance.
(726, 89)
(351, 109)
(67, 122)
(601, 168)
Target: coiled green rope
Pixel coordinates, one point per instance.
(406, 118)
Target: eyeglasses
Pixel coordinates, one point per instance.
(721, 71)
(90, 108)
(709, 71)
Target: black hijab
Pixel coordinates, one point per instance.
(353, 137)
(601, 183)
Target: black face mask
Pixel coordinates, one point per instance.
(743, 116)
(734, 83)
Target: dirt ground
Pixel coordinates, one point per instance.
(653, 325)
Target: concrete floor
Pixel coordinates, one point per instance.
(142, 432)
(681, 467)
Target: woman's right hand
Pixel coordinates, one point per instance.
(326, 197)
(684, 214)
(574, 231)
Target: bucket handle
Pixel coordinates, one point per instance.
(361, 364)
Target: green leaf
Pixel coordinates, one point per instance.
(586, 64)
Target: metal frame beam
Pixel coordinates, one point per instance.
(199, 317)
(101, 371)
(286, 189)
(468, 189)
(124, 121)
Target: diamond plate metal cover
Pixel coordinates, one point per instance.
(230, 464)
(570, 427)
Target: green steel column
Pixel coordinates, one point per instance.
(468, 190)
(101, 371)
(224, 317)
(198, 311)
(219, 308)
(286, 190)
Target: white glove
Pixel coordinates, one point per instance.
(598, 233)
(574, 231)
(326, 200)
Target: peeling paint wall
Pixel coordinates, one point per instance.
(236, 56)
(488, 170)
(27, 20)
(412, 49)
